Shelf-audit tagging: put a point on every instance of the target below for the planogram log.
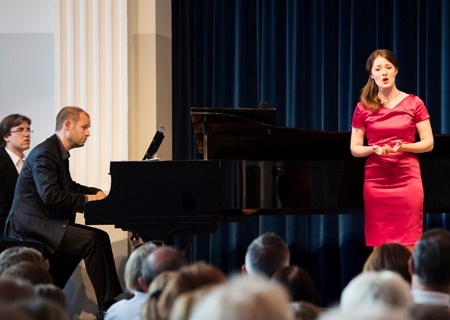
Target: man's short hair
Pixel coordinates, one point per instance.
(431, 258)
(165, 258)
(266, 255)
(11, 121)
(68, 113)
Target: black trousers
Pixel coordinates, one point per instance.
(94, 247)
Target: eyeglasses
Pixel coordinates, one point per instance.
(22, 131)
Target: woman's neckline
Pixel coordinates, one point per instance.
(403, 96)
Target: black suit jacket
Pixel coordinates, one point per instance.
(8, 178)
(46, 198)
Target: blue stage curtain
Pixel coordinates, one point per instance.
(306, 58)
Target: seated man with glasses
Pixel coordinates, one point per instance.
(15, 132)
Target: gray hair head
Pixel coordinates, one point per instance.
(266, 255)
(373, 288)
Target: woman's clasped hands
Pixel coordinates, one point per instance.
(384, 150)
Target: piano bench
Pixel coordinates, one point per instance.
(7, 243)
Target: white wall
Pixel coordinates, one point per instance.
(27, 86)
(27, 63)
(36, 37)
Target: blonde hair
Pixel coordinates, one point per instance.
(133, 268)
(149, 309)
(184, 280)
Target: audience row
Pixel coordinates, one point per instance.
(394, 284)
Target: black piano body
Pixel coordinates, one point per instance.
(250, 167)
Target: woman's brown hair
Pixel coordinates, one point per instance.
(369, 93)
(390, 256)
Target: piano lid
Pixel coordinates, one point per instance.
(229, 134)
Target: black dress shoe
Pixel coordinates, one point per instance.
(101, 315)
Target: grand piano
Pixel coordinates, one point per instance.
(250, 167)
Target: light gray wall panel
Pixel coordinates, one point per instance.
(27, 80)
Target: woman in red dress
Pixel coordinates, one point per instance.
(389, 118)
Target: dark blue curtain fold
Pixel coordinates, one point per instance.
(306, 58)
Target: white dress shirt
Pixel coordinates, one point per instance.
(127, 309)
(18, 161)
(431, 298)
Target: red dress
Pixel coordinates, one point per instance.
(393, 190)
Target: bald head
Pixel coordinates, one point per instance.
(165, 258)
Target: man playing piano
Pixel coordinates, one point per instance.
(45, 203)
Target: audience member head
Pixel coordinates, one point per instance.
(430, 263)
(244, 298)
(298, 283)
(376, 288)
(15, 289)
(165, 258)
(392, 257)
(133, 268)
(186, 279)
(41, 309)
(266, 255)
(14, 255)
(8, 122)
(428, 312)
(148, 310)
(304, 310)
(359, 313)
(182, 306)
(30, 271)
(51, 292)
(12, 313)
(159, 283)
